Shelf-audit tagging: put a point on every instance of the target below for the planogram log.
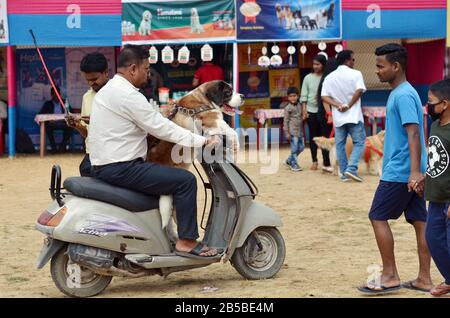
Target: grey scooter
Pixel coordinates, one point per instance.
(96, 231)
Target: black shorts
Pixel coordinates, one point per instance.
(392, 199)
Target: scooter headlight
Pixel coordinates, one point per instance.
(48, 219)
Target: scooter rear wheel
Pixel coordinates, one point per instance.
(74, 280)
(253, 263)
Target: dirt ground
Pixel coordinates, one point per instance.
(328, 237)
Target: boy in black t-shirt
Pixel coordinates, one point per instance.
(437, 182)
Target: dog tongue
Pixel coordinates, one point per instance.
(233, 110)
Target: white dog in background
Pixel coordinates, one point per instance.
(145, 28)
(196, 26)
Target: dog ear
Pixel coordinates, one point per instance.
(215, 93)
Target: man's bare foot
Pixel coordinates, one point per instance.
(418, 284)
(440, 289)
(390, 281)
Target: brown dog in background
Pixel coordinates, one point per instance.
(372, 154)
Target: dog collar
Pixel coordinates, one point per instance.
(188, 111)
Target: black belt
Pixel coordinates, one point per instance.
(95, 168)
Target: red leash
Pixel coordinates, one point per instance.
(47, 72)
(330, 123)
(370, 147)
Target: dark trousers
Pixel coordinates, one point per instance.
(4, 129)
(50, 128)
(318, 127)
(325, 131)
(154, 179)
(85, 166)
(437, 234)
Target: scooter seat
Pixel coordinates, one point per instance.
(95, 189)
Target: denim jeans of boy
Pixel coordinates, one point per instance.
(437, 233)
(297, 146)
(358, 135)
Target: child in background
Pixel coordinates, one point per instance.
(293, 126)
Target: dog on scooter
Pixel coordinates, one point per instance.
(372, 154)
(205, 104)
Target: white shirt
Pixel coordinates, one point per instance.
(86, 109)
(3, 110)
(120, 120)
(341, 85)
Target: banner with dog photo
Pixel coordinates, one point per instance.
(288, 20)
(4, 32)
(188, 21)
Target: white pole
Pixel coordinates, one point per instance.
(237, 123)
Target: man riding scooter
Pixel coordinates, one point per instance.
(120, 120)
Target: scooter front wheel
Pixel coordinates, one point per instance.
(75, 280)
(262, 254)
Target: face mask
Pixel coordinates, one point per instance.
(432, 112)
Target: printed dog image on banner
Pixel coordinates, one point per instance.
(183, 20)
(288, 20)
(145, 28)
(196, 26)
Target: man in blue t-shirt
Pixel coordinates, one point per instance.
(404, 162)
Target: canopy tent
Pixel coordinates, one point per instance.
(60, 23)
(63, 23)
(383, 19)
(101, 23)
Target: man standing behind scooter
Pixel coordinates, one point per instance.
(94, 67)
(120, 121)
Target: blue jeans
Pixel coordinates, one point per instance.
(297, 146)
(358, 135)
(437, 233)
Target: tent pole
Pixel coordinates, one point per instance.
(12, 100)
(237, 123)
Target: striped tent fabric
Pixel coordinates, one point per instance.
(383, 19)
(65, 22)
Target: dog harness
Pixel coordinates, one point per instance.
(370, 147)
(185, 111)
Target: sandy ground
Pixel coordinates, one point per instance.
(328, 237)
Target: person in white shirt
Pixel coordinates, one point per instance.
(342, 89)
(120, 120)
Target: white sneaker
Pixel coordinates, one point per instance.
(328, 169)
(354, 176)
